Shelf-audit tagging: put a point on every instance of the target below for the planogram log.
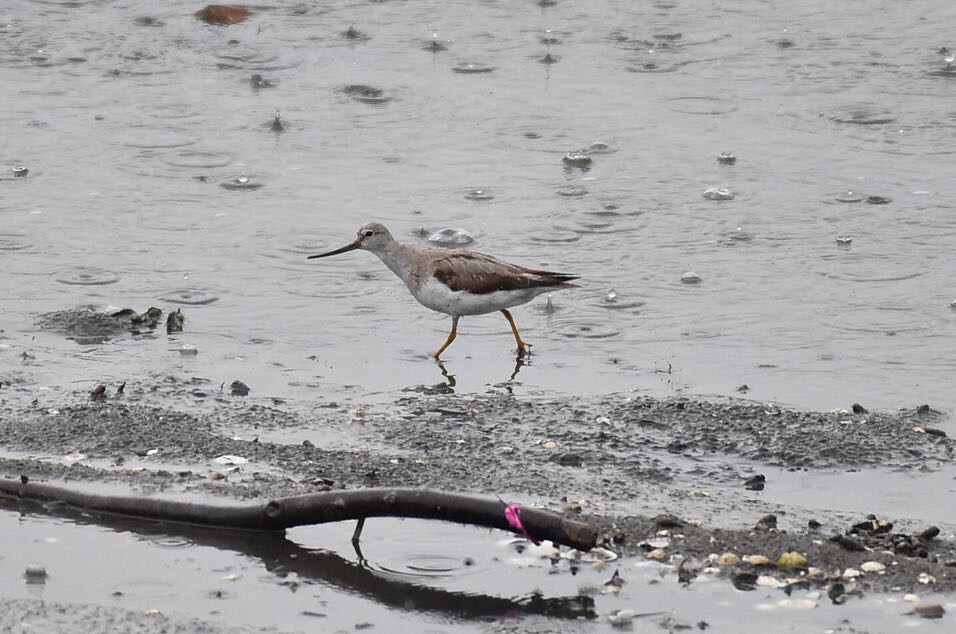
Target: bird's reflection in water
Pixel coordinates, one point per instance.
(520, 362)
(277, 554)
(451, 382)
(449, 378)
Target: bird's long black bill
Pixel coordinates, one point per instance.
(346, 248)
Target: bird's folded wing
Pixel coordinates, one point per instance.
(481, 274)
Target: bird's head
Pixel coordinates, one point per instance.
(372, 237)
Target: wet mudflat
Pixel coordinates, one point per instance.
(759, 201)
(691, 535)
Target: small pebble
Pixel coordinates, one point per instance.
(657, 554)
(878, 200)
(930, 610)
(20, 171)
(718, 193)
(851, 573)
(238, 388)
(872, 566)
(911, 598)
(766, 581)
(690, 278)
(792, 560)
(837, 593)
(756, 560)
(932, 531)
(728, 559)
(844, 240)
(188, 349)
(926, 579)
(222, 14)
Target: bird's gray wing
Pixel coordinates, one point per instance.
(482, 274)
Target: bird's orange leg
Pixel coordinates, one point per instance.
(451, 336)
(523, 348)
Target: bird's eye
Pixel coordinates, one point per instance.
(368, 233)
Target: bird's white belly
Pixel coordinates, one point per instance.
(439, 297)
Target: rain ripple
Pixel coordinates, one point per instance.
(866, 268)
(701, 105)
(86, 276)
(195, 296)
(428, 566)
(366, 94)
(13, 242)
(472, 68)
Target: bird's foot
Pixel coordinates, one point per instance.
(524, 350)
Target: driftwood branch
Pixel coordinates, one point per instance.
(319, 508)
(277, 552)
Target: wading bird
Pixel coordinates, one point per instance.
(457, 283)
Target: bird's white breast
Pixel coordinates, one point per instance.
(435, 295)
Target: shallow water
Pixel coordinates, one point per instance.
(129, 127)
(155, 178)
(407, 574)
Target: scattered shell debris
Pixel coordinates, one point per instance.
(230, 460)
(621, 618)
(872, 566)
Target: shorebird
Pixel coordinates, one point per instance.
(457, 283)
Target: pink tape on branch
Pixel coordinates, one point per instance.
(513, 515)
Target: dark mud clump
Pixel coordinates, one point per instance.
(91, 325)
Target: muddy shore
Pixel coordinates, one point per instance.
(662, 478)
